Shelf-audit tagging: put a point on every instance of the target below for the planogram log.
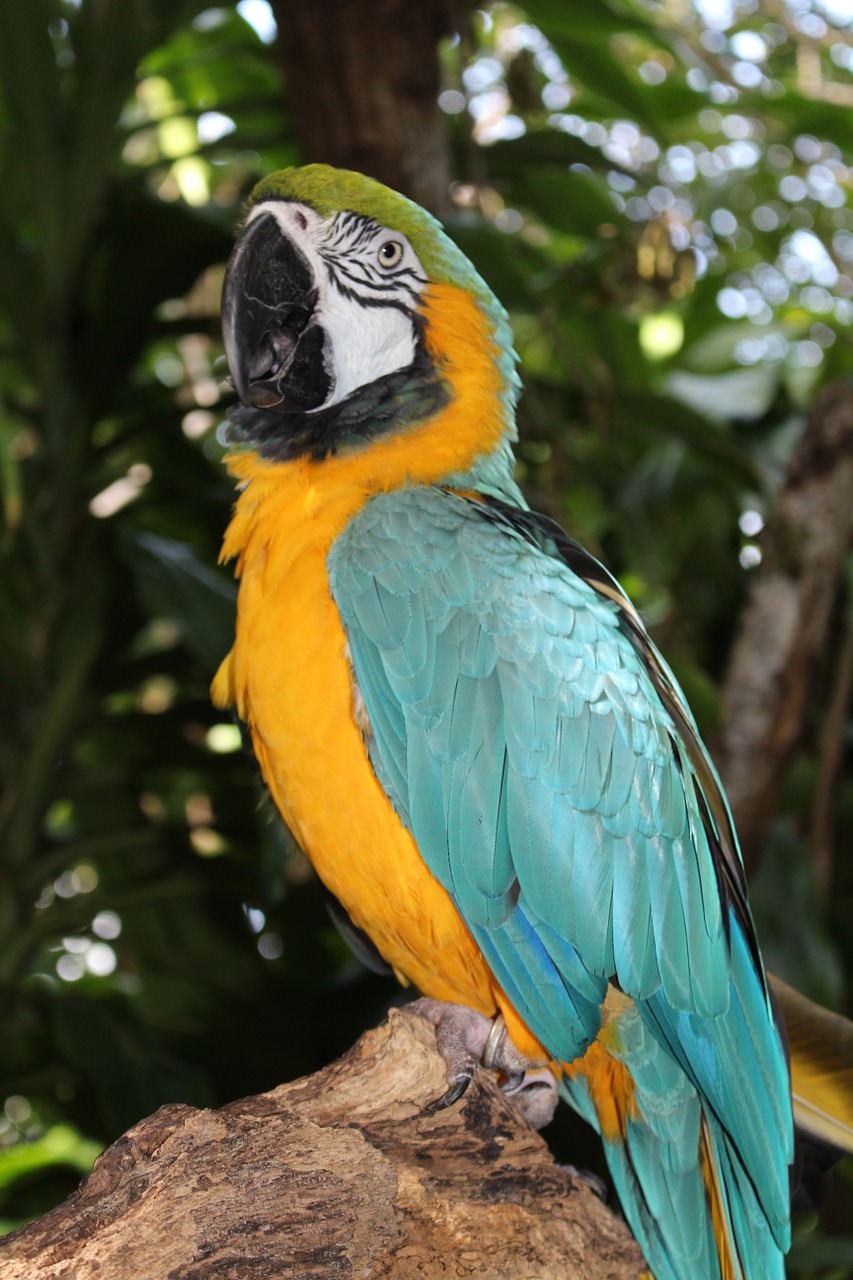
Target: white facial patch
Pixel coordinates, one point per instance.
(368, 281)
(367, 343)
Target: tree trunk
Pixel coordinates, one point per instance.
(344, 1173)
(784, 629)
(362, 81)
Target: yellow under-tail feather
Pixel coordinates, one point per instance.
(730, 1267)
(821, 1047)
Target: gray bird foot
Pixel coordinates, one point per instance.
(461, 1036)
(467, 1039)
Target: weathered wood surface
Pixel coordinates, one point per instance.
(345, 1173)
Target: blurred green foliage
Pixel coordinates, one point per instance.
(660, 195)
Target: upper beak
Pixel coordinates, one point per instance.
(274, 347)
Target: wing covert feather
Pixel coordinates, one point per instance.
(523, 742)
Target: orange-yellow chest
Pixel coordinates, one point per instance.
(291, 679)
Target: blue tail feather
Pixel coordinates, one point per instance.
(689, 1088)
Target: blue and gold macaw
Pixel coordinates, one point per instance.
(463, 722)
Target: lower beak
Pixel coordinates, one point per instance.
(274, 346)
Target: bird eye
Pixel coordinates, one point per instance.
(390, 253)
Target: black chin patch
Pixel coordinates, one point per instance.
(392, 403)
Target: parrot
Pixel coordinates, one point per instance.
(462, 720)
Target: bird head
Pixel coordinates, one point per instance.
(348, 314)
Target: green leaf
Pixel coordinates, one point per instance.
(114, 333)
(575, 203)
(743, 393)
(131, 1073)
(800, 952)
(595, 19)
(508, 264)
(713, 351)
(60, 1145)
(77, 641)
(813, 1251)
(683, 419)
(11, 486)
(796, 113)
(605, 84)
(29, 76)
(581, 32)
(551, 148)
(172, 582)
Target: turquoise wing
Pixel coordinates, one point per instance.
(538, 750)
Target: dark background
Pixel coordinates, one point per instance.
(660, 194)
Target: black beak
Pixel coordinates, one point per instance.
(274, 347)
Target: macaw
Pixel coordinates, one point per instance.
(461, 718)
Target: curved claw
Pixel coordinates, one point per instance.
(461, 1036)
(453, 1094)
(467, 1039)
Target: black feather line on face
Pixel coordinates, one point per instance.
(337, 274)
(349, 255)
(392, 403)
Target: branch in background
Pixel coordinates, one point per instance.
(363, 79)
(343, 1173)
(832, 742)
(785, 626)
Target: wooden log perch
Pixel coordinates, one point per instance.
(343, 1173)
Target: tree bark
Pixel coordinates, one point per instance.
(784, 629)
(362, 81)
(344, 1173)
